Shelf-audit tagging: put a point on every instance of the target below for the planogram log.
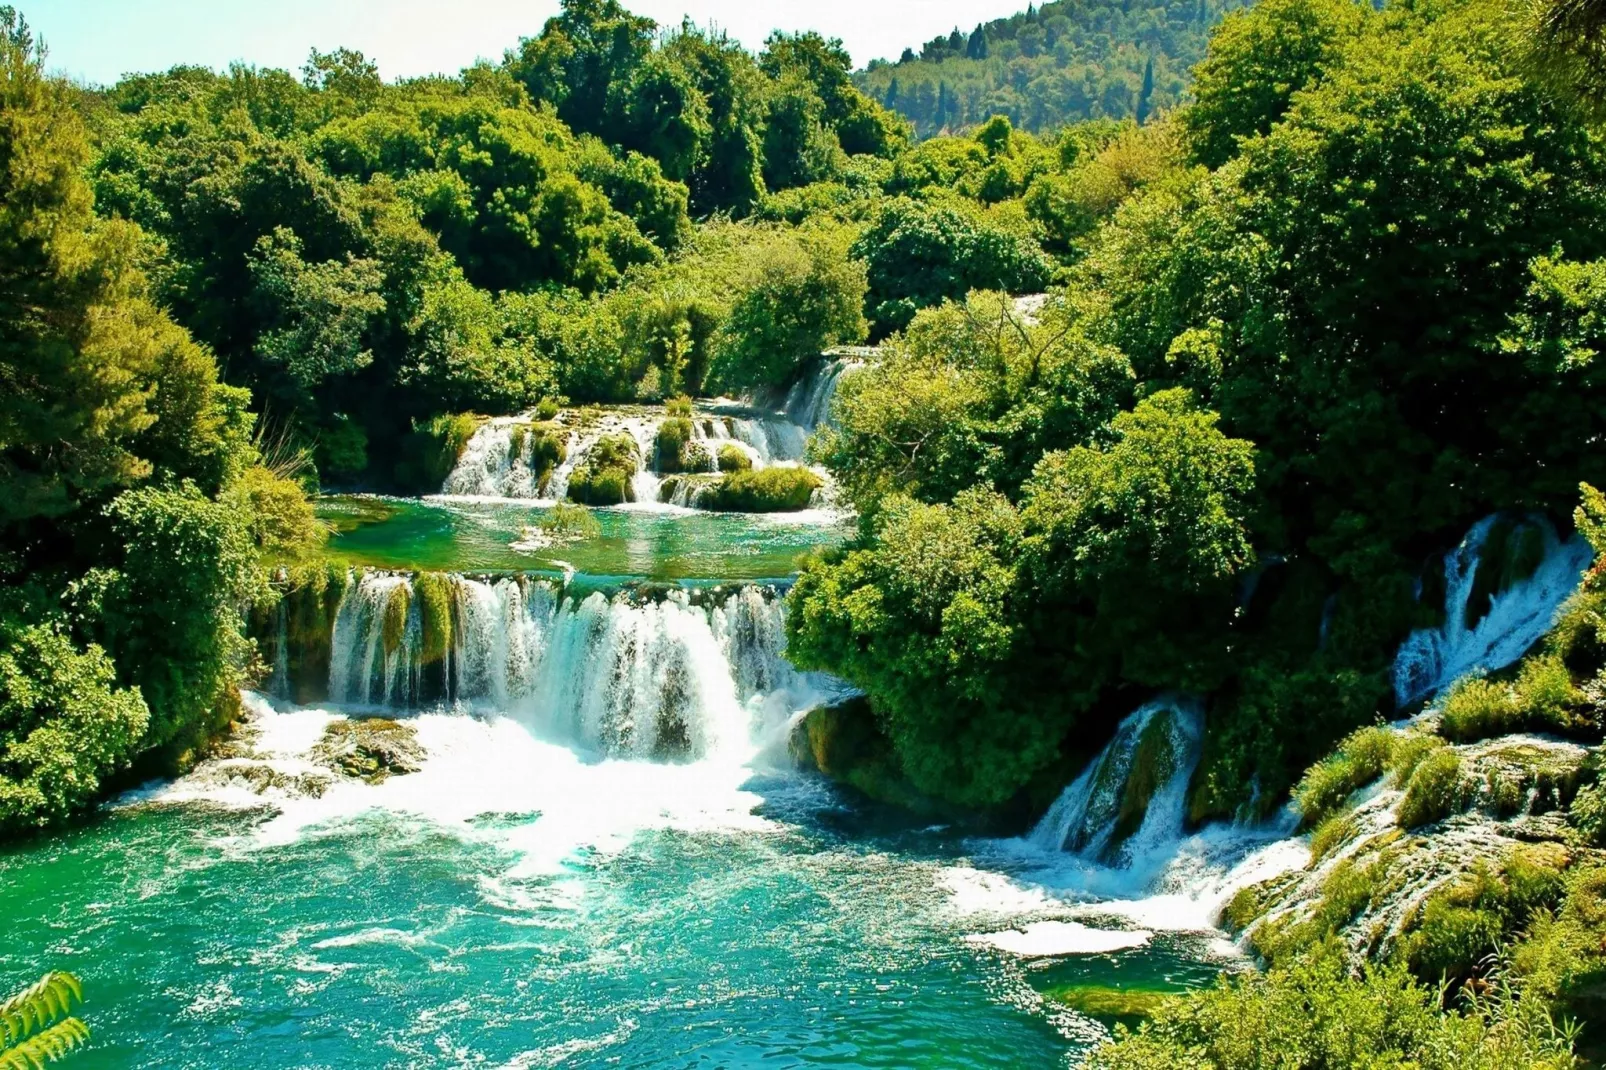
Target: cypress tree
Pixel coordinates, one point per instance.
(1146, 95)
(977, 49)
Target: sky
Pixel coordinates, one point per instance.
(96, 41)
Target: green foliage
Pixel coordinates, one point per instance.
(608, 472)
(1434, 791)
(568, 522)
(1326, 786)
(37, 1025)
(64, 726)
(1588, 814)
(434, 448)
(1314, 1012)
(780, 489)
(916, 255)
(1477, 708)
(1051, 65)
(435, 596)
(733, 458)
(1257, 60)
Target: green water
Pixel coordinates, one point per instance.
(462, 535)
(385, 939)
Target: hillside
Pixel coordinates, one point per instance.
(1063, 62)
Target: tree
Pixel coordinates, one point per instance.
(976, 48)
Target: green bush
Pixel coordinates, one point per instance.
(1327, 785)
(64, 726)
(1545, 693)
(608, 474)
(570, 523)
(547, 409)
(1331, 834)
(764, 490)
(1477, 708)
(1468, 919)
(733, 458)
(674, 436)
(1434, 791)
(1588, 814)
(1315, 1012)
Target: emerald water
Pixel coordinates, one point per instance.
(607, 855)
(472, 535)
(708, 923)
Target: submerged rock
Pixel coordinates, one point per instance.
(373, 749)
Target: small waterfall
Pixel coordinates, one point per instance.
(679, 677)
(1130, 802)
(808, 405)
(1489, 636)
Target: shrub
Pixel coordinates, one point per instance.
(1331, 834)
(547, 409)
(765, 490)
(1410, 748)
(679, 406)
(1545, 693)
(64, 726)
(1434, 791)
(1477, 709)
(571, 523)
(1327, 785)
(674, 435)
(1588, 814)
(733, 458)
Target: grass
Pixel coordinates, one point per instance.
(733, 458)
(1360, 759)
(1434, 791)
(607, 475)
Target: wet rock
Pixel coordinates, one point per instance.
(373, 749)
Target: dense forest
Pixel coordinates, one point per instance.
(1065, 62)
(1302, 332)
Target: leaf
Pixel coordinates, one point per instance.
(34, 1008)
(47, 1047)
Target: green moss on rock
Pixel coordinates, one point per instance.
(608, 473)
(433, 590)
(765, 490)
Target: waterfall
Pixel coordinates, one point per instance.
(808, 404)
(683, 676)
(1502, 628)
(1130, 802)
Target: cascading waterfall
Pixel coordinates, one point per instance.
(1131, 801)
(809, 402)
(675, 677)
(1514, 619)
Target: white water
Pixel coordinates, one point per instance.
(1432, 659)
(609, 676)
(490, 467)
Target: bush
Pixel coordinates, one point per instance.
(1477, 709)
(1545, 693)
(1588, 814)
(570, 523)
(1468, 919)
(1327, 785)
(674, 436)
(1434, 791)
(733, 458)
(608, 474)
(1314, 1012)
(64, 726)
(547, 409)
(765, 490)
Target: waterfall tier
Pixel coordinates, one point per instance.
(1502, 587)
(521, 457)
(1130, 801)
(688, 675)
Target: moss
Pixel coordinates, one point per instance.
(433, 590)
(373, 749)
(845, 743)
(765, 490)
(733, 458)
(1125, 1005)
(1153, 762)
(1349, 889)
(674, 435)
(1434, 792)
(608, 473)
(311, 605)
(395, 622)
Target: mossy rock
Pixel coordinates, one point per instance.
(542, 447)
(1153, 763)
(1511, 552)
(733, 458)
(764, 490)
(372, 750)
(607, 476)
(844, 743)
(434, 594)
(433, 449)
(394, 626)
(1112, 1004)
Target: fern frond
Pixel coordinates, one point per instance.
(39, 1051)
(37, 1006)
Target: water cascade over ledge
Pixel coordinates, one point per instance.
(687, 675)
(1490, 623)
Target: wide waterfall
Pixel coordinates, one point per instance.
(505, 458)
(684, 675)
(1489, 625)
(1131, 800)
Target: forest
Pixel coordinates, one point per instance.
(1065, 62)
(1311, 314)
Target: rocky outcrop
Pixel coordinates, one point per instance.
(372, 750)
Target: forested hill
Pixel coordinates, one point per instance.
(1057, 64)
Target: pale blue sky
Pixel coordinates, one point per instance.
(97, 40)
